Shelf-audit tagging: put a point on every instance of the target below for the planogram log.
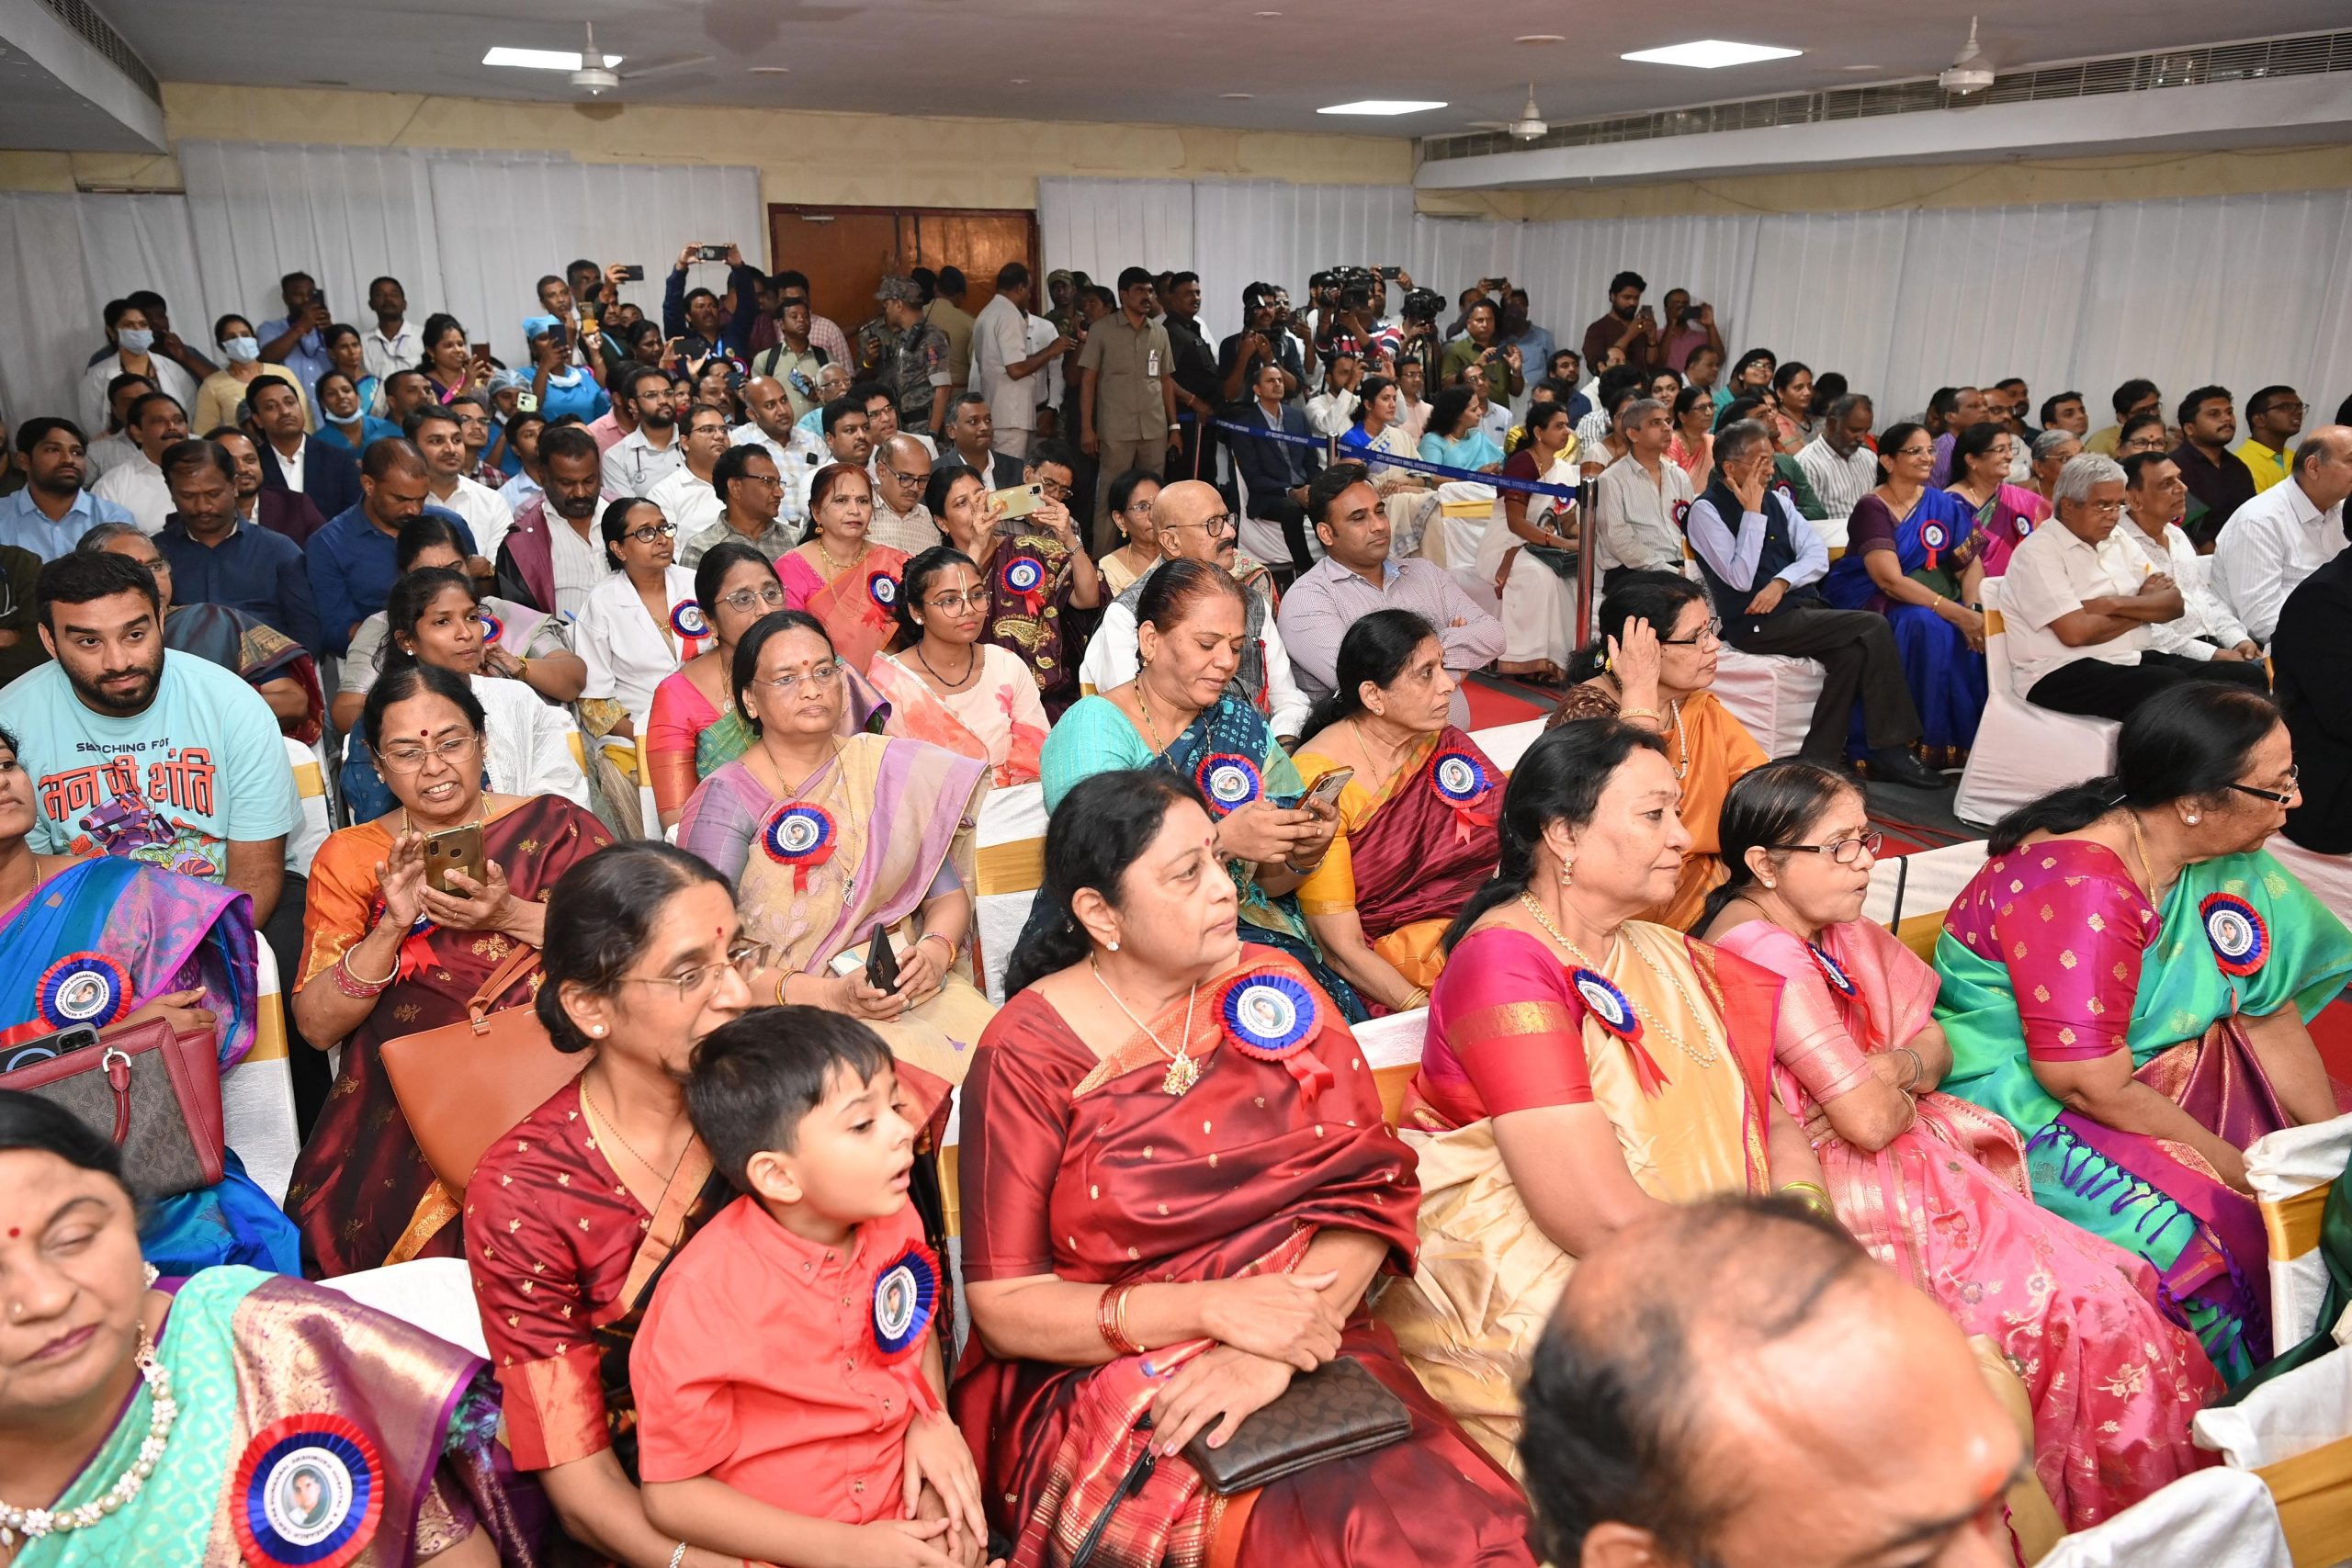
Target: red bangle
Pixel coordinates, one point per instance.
(1111, 1320)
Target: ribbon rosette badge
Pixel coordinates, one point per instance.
(309, 1491)
(906, 1297)
(1833, 972)
(1681, 509)
(83, 987)
(492, 628)
(883, 589)
(1936, 536)
(687, 620)
(1459, 778)
(2241, 942)
(1607, 1004)
(801, 835)
(1271, 1017)
(1228, 779)
(1024, 577)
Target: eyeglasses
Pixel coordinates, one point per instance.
(742, 599)
(1845, 851)
(2294, 771)
(1711, 632)
(769, 480)
(746, 960)
(818, 676)
(1057, 490)
(412, 759)
(952, 602)
(912, 481)
(1219, 523)
(2104, 508)
(653, 531)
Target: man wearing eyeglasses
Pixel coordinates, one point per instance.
(685, 497)
(748, 492)
(2154, 496)
(901, 472)
(2274, 417)
(1761, 561)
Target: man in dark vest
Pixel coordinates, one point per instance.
(1761, 559)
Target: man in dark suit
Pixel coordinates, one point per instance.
(971, 430)
(279, 511)
(292, 459)
(2307, 661)
(1278, 472)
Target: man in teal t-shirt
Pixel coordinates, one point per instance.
(161, 757)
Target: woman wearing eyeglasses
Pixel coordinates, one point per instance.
(638, 623)
(2127, 982)
(384, 955)
(575, 1209)
(1045, 595)
(828, 834)
(693, 729)
(1659, 682)
(2112, 1382)
(840, 575)
(946, 686)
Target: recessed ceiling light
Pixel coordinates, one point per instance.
(1862, 68)
(1709, 53)
(1268, 15)
(1237, 94)
(769, 70)
(1384, 107)
(540, 59)
(1540, 38)
(1021, 81)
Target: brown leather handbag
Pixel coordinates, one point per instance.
(464, 1085)
(1334, 1411)
(156, 1094)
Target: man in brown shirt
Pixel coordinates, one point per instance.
(1126, 400)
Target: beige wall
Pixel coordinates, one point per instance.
(828, 158)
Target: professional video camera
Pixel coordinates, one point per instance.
(1422, 305)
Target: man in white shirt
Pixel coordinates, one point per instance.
(685, 497)
(440, 436)
(1838, 463)
(901, 473)
(1640, 501)
(2078, 602)
(1004, 368)
(391, 345)
(137, 485)
(2154, 497)
(650, 453)
(2285, 534)
(795, 452)
(1193, 523)
(1331, 410)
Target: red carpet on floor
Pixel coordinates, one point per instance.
(1490, 706)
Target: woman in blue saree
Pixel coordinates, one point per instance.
(147, 942)
(1188, 630)
(2128, 981)
(1914, 554)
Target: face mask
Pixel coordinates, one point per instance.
(135, 340)
(242, 350)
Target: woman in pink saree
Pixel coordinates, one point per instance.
(839, 576)
(944, 686)
(1934, 1187)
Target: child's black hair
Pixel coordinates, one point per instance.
(753, 1079)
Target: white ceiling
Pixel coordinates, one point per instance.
(1133, 60)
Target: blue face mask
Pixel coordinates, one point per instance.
(242, 350)
(134, 340)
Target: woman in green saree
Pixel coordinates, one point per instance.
(279, 1423)
(2128, 981)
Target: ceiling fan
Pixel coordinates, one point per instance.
(1527, 127)
(595, 77)
(1970, 72)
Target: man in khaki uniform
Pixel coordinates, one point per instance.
(946, 313)
(1127, 401)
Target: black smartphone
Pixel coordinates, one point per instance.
(711, 252)
(881, 961)
(48, 1048)
(1391, 273)
(634, 272)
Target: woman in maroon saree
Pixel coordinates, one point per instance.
(1176, 1224)
(384, 956)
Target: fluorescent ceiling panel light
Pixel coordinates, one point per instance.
(1384, 107)
(540, 59)
(1711, 54)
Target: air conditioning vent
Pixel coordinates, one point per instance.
(2310, 54)
(99, 35)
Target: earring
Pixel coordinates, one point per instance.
(1568, 872)
(1769, 885)
(597, 1032)
(1112, 944)
(16, 1311)
(153, 1273)
(2194, 819)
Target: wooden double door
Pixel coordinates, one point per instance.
(847, 251)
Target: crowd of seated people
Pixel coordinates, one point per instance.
(664, 715)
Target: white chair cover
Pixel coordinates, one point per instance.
(1771, 693)
(2291, 1171)
(2328, 876)
(2022, 752)
(436, 1294)
(2212, 1519)
(309, 834)
(257, 1094)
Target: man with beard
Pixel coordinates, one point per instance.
(293, 459)
(650, 453)
(157, 419)
(161, 757)
(1629, 325)
(53, 511)
(217, 559)
(279, 511)
(555, 553)
(438, 434)
(352, 559)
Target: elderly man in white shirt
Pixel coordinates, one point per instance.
(2154, 497)
(136, 484)
(1639, 503)
(1006, 367)
(2079, 600)
(901, 473)
(2271, 543)
(1838, 463)
(685, 497)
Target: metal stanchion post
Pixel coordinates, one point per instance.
(1588, 551)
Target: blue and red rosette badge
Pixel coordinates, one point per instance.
(1608, 1007)
(308, 1493)
(83, 988)
(492, 628)
(1229, 779)
(1270, 1017)
(1832, 971)
(883, 589)
(687, 620)
(1936, 537)
(1464, 784)
(801, 836)
(906, 1298)
(1023, 576)
(1681, 509)
(2241, 942)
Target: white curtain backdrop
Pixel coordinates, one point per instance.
(468, 232)
(2242, 290)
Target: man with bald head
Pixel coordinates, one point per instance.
(1194, 524)
(901, 472)
(1736, 1384)
(796, 453)
(2281, 536)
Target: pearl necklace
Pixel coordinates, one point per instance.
(33, 1524)
(1709, 1058)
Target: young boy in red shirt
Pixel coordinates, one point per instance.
(790, 1393)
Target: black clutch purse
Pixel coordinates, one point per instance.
(1334, 1411)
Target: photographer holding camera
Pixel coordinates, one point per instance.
(1504, 367)
(1630, 327)
(1263, 340)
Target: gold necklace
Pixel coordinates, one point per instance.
(614, 1128)
(1143, 706)
(2140, 847)
(1711, 1055)
(1682, 740)
(818, 540)
(1182, 1071)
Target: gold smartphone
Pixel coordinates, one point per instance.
(456, 849)
(1020, 501)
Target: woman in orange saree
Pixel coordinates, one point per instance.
(839, 575)
(1160, 1230)
(1936, 1188)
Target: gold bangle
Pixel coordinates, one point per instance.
(781, 982)
(1650, 714)
(1812, 1195)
